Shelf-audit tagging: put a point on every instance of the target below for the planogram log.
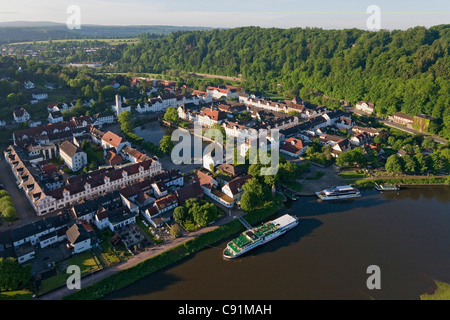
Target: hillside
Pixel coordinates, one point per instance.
(398, 70)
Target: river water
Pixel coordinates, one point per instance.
(405, 234)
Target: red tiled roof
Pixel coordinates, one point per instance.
(213, 114)
(112, 139)
(292, 145)
(166, 201)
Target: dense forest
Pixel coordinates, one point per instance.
(398, 70)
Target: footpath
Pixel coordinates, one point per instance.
(100, 275)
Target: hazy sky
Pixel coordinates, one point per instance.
(395, 14)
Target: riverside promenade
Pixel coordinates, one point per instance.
(105, 273)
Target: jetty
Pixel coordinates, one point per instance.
(245, 223)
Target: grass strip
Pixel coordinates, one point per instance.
(129, 276)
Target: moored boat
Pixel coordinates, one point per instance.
(339, 192)
(260, 235)
(387, 187)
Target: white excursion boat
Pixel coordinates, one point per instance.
(340, 192)
(257, 236)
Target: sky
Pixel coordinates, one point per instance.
(327, 14)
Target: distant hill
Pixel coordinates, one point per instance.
(44, 30)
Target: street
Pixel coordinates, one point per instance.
(25, 212)
(396, 125)
(100, 275)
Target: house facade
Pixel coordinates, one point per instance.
(21, 115)
(74, 158)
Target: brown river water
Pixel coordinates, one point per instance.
(405, 234)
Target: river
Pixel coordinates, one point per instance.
(406, 234)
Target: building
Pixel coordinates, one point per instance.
(87, 186)
(87, 209)
(233, 189)
(80, 237)
(133, 155)
(114, 219)
(28, 85)
(40, 96)
(293, 147)
(113, 159)
(99, 119)
(360, 138)
(223, 91)
(166, 203)
(21, 115)
(39, 231)
(74, 158)
(190, 191)
(402, 119)
(209, 186)
(55, 117)
(366, 107)
(209, 117)
(112, 140)
(120, 106)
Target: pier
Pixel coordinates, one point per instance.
(245, 223)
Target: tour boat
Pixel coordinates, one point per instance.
(260, 235)
(337, 193)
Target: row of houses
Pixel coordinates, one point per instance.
(76, 188)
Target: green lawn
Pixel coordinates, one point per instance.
(84, 260)
(354, 174)
(293, 185)
(16, 295)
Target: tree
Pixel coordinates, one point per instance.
(125, 122)
(410, 165)
(13, 276)
(108, 92)
(248, 202)
(175, 231)
(123, 91)
(88, 92)
(422, 164)
(352, 157)
(180, 214)
(393, 164)
(171, 115)
(9, 213)
(166, 145)
(428, 143)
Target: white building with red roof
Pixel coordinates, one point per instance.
(293, 147)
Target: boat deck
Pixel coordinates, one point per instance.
(265, 229)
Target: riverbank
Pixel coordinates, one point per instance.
(128, 276)
(404, 181)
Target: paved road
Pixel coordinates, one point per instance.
(412, 131)
(398, 126)
(310, 187)
(86, 281)
(25, 212)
